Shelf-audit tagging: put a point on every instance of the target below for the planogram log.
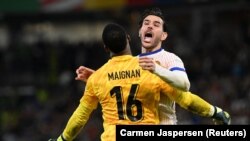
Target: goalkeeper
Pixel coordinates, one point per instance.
(128, 94)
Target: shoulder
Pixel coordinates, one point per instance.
(172, 56)
(98, 72)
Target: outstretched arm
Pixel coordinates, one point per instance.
(76, 122)
(197, 105)
(83, 73)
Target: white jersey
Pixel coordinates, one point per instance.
(171, 62)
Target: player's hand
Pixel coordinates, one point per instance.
(147, 63)
(221, 117)
(83, 73)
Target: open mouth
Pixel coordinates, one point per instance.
(148, 37)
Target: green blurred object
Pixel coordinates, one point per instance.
(16, 6)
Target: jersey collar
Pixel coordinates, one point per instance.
(149, 53)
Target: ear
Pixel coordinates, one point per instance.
(139, 33)
(164, 36)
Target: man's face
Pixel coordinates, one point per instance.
(151, 33)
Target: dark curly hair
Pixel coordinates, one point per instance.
(114, 37)
(156, 12)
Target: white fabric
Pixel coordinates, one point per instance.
(177, 78)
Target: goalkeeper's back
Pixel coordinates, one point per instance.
(127, 94)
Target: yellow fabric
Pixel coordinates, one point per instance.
(76, 122)
(59, 139)
(128, 95)
(124, 76)
(192, 102)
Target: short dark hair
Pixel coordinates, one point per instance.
(114, 37)
(156, 12)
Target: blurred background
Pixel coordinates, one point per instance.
(43, 42)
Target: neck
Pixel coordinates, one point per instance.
(145, 50)
(126, 51)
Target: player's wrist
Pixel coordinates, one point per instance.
(216, 111)
(221, 117)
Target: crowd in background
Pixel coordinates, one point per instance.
(38, 92)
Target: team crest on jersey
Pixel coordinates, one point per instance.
(158, 62)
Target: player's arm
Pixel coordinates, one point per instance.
(80, 116)
(197, 105)
(83, 73)
(75, 123)
(176, 78)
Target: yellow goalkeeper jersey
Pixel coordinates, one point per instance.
(130, 95)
